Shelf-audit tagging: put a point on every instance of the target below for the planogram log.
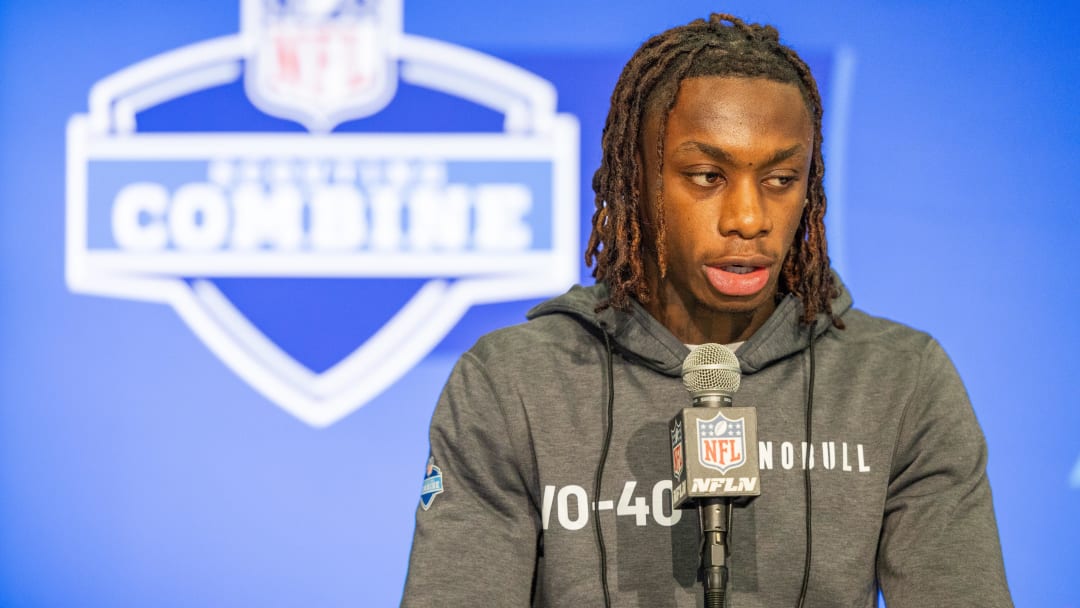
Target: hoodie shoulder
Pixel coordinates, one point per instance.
(563, 327)
(862, 327)
(543, 336)
(576, 323)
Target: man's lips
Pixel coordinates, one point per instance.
(739, 276)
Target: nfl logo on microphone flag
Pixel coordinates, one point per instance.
(714, 454)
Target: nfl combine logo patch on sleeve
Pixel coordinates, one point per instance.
(433, 485)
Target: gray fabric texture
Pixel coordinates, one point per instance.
(898, 464)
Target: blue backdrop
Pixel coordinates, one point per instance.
(137, 468)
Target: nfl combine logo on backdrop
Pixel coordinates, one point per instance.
(220, 219)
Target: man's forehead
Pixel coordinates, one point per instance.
(735, 107)
(769, 156)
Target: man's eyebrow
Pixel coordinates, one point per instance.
(721, 154)
(707, 149)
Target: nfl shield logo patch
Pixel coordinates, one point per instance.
(722, 443)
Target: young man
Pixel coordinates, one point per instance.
(550, 439)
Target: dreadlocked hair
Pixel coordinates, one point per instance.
(721, 46)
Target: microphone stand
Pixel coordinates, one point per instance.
(714, 514)
(714, 549)
(711, 374)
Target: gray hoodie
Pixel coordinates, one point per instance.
(900, 498)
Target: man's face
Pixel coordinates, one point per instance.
(736, 165)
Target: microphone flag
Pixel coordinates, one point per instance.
(714, 454)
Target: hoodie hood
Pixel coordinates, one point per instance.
(639, 336)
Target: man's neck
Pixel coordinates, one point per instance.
(697, 324)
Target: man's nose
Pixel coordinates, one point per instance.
(743, 212)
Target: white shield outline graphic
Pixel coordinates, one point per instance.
(533, 131)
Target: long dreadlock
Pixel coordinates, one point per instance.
(722, 46)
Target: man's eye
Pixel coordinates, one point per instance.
(705, 178)
(780, 181)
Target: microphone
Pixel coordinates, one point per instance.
(713, 456)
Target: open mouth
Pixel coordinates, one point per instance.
(738, 279)
(737, 269)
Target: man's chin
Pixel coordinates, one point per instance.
(763, 301)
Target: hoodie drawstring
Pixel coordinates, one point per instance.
(806, 470)
(600, 465)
